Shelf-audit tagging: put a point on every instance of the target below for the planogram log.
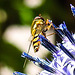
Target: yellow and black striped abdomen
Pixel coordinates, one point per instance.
(36, 42)
(39, 26)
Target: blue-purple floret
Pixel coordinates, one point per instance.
(66, 32)
(72, 9)
(18, 73)
(39, 62)
(66, 51)
(47, 44)
(62, 31)
(59, 32)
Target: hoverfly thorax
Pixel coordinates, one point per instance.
(37, 25)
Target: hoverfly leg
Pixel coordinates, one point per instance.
(51, 34)
(29, 47)
(27, 53)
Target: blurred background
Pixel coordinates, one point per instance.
(16, 17)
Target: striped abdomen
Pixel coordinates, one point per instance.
(36, 42)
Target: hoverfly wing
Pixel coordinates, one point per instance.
(27, 52)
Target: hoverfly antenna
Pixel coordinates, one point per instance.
(27, 53)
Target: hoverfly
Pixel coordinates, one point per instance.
(39, 26)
